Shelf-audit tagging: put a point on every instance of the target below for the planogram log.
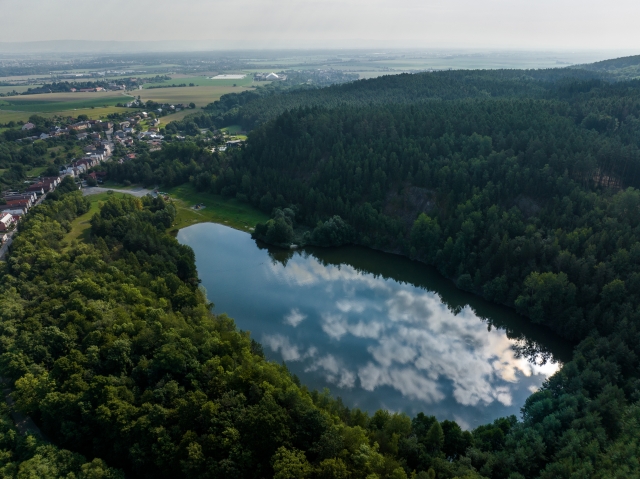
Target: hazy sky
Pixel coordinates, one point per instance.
(530, 24)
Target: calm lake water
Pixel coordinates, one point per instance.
(378, 330)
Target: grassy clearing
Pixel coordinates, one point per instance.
(232, 129)
(81, 225)
(177, 116)
(200, 95)
(226, 211)
(37, 171)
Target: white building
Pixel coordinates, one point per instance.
(6, 220)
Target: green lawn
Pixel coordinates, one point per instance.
(37, 171)
(80, 226)
(226, 211)
(233, 129)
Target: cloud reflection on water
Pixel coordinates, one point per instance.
(415, 344)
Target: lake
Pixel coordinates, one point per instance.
(378, 330)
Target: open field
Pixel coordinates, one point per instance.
(200, 95)
(18, 88)
(7, 115)
(204, 81)
(80, 226)
(50, 102)
(177, 116)
(226, 211)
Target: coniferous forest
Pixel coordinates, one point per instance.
(519, 186)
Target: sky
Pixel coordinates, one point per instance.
(224, 24)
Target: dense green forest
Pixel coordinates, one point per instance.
(254, 108)
(521, 189)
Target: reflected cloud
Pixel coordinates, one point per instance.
(295, 317)
(333, 371)
(289, 352)
(336, 326)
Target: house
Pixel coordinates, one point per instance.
(20, 196)
(131, 156)
(26, 197)
(43, 136)
(82, 136)
(6, 220)
(4, 238)
(81, 125)
(28, 126)
(234, 143)
(37, 188)
(23, 203)
(14, 211)
(124, 124)
(52, 180)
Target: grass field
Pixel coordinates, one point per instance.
(177, 116)
(226, 211)
(7, 116)
(80, 226)
(51, 102)
(18, 88)
(200, 95)
(204, 81)
(37, 171)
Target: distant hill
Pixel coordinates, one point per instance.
(622, 68)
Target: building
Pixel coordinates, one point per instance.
(6, 220)
(81, 125)
(37, 188)
(234, 143)
(14, 211)
(21, 203)
(28, 126)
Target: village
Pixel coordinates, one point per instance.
(119, 139)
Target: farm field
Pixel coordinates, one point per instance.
(200, 95)
(20, 108)
(203, 81)
(50, 102)
(18, 88)
(8, 115)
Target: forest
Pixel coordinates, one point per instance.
(522, 188)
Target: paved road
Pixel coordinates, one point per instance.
(94, 190)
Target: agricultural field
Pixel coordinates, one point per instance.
(50, 102)
(200, 95)
(204, 81)
(94, 105)
(18, 88)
